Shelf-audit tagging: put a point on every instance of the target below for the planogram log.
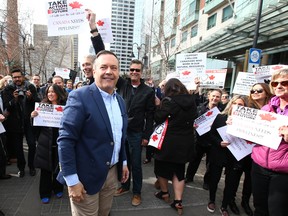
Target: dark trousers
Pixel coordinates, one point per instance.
(31, 142)
(195, 162)
(16, 139)
(3, 158)
(231, 177)
(270, 191)
(49, 184)
(149, 152)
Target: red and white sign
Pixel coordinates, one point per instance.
(213, 78)
(65, 17)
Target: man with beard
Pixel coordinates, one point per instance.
(19, 101)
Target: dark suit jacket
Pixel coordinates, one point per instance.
(86, 140)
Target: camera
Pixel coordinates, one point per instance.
(21, 92)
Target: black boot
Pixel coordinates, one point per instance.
(234, 208)
(246, 207)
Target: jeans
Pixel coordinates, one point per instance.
(270, 191)
(133, 151)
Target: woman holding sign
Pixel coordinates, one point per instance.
(46, 157)
(220, 157)
(179, 107)
(270, 166)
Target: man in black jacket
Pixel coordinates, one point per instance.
(140, 104)
(19, 101)
(96, 39)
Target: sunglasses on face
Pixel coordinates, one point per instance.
(283, 83)
(253, 91)
(135, 69)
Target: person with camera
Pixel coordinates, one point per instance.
(19, 99)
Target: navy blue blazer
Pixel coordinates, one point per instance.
(85, 142)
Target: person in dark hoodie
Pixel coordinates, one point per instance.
(180, 108)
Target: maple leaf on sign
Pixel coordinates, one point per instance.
(38, 108)
(49, 11)
(209, 113)
(75, 5)
(155, 137)
(100, 23)
(267, 117)
(249, 142)
(277, 67)
(211, 77)
(59, 109)
(186, 72)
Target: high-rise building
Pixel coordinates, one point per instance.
(51, 52)
(122, 28)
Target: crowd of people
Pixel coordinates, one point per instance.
(106, 124)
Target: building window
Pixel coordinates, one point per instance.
(194, 30)
(212, 21)
(192, 8)
(227, 13)
(184, 36)
(173, 42)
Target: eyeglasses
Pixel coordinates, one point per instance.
(135, 69)
(16, 77)
(283, 83)
(256, 90)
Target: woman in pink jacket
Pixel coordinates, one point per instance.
(270, 167)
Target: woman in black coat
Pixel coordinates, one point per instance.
(220, 157)
(46, 157)
(179, 108)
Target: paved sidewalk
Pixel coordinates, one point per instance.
(20, 197)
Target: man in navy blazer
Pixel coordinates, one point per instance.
(91, 140)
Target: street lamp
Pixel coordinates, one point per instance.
(138, 48)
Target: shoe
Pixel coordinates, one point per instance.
(177, 205)
(187, 180)
(3, 177)
(21, 173)
(157, 185)
(247, 208)
(121, 191)
(59, 194)
(224, 211)
(136, 200)
(45, 200)
(163, 196)
(146, 161)
(211, 207)
(234, 208)
(32, 172)
(205, 186)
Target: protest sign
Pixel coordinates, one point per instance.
(205, 121)
(49, 115)
(263, 73)
(65, 17)
(63, 72)
(258, 126)
(244, 83)
(104, 28)
(213, 78)
(189, 66)
(240, 148)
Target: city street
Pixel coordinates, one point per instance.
(20, 197)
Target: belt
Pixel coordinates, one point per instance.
(112, 166)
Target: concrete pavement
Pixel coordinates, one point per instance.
(20, 197)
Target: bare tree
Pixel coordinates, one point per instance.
(163, 40)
